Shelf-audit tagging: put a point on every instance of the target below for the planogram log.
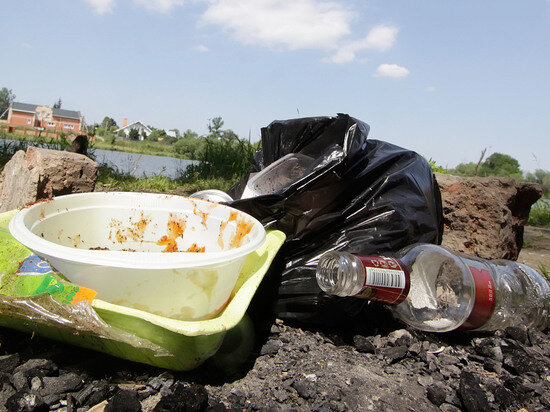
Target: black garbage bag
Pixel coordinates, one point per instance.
(355, 194)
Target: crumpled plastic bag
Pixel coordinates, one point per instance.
(348, 193)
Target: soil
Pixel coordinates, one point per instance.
(536, 247)
(376, 364)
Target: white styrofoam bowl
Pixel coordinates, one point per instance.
(115, 243)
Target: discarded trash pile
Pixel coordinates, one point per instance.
(346, 205)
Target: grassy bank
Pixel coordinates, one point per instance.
(110, 179)
(139, 147)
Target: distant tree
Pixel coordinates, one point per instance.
(542, 177)
(108, 122)
(133, 135)
(91, 129)
(215, 127)
(156, 134)
(121, 133)
(190, 134)
(6, 99)
(100, 131)
(464, 169)
(113, 128)
(57, 105)
(499, 164)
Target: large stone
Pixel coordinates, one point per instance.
(484, 216)
(42, 173)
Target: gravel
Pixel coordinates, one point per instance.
(376, 366)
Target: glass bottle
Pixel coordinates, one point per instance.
(434, 289)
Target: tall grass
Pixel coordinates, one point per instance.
(113, 180)
(227, 159)
(540, 214)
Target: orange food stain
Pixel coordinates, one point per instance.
(203, 215)
(175, 228)
(243, 228)
(196, 249)
(138, 228)
(232, 217)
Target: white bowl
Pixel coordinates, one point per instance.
(115, 243)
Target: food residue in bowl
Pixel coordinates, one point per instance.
(135, 231)
(175, 228)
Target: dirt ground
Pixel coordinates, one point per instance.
(536, 247)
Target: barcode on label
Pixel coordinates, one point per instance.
(385, 278)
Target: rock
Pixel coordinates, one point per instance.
(184, 397)
(503, 396)
(518, 362)
(271, 347)
(98, 395)
(124, 401)
(484, 216)
(67, 382)
(19, 381)
(395, 353)
(37, 367)
(363, 344)
(162, 382)
(436, 394)
(304, 388)
(5, 393)
(400, 337)
(9, 362)
(42, 173)
(25, 401)
(472, 396)
(518, 333)
(81, 396)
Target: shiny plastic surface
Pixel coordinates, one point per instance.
(359, 195)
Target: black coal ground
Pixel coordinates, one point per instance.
(375, 365)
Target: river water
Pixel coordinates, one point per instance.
(138, 165)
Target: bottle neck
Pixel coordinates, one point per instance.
(379, 278)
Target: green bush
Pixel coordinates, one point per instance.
(435, 167)
(540, 214)
(227, 158)
(110, 139)
(133, 134)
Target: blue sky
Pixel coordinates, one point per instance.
(446, 79)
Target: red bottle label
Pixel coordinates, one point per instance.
(387, 280)
(485, 299)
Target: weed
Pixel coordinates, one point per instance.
(540, 214)
(544, 269)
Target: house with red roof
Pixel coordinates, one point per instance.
(33, 115)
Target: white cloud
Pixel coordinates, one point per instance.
(287, 24)
(25, 44)
(431, 89)
(391, 70)
(162, 6)
(201, 48)
(380, 38)
(101, 6)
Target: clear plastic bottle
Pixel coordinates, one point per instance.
(434, 289)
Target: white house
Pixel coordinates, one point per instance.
(139, 126)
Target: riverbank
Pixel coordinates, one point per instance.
(128, 146)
